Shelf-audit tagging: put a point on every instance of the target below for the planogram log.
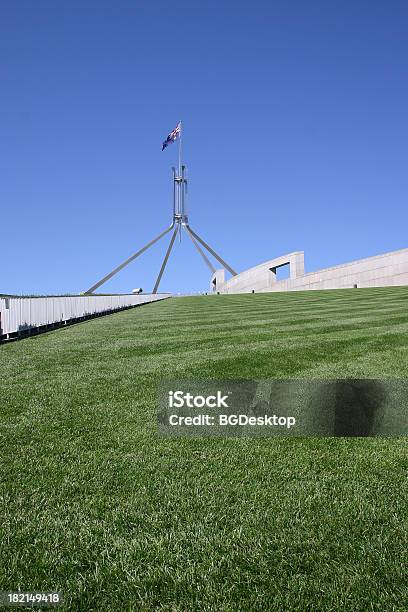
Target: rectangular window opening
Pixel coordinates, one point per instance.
(281, 272)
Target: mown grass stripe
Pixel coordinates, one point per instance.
(94, 504)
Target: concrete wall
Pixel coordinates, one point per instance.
(383, 270)
(217, 279)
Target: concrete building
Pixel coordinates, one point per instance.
(388, 269)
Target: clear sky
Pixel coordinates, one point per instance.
(295, 135)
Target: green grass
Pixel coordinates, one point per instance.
(96, 505)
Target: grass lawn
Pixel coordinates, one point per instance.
(94, 504)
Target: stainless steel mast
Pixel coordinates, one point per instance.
(179, 223)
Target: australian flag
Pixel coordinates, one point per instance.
(172, 137)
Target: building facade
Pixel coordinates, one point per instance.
(388, 269)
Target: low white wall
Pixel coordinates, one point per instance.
(19, 314)
(388, 269)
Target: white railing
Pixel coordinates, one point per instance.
(25, 313)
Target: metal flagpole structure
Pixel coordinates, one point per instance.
(200, 250)
(180, 172)
(166, 257)
(179, 223)
(180, 141)
(210, 250)
(127, 261)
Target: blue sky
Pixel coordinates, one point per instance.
(295, 135)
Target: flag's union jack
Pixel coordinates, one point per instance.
(172, 137)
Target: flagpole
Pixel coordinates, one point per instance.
(181, 186)
(181, 135)
(179, 222)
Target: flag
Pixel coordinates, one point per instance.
(172, 137)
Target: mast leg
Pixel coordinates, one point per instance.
(127, 261)
(199, 249)
(210, 250)
(176, 229)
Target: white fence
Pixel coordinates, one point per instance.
(18, 315)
